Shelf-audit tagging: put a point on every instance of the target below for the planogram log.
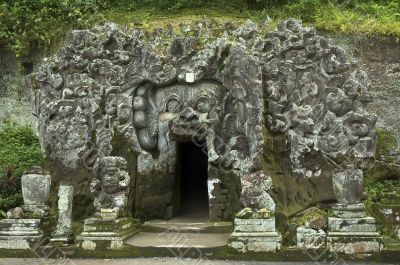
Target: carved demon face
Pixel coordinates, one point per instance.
(189, 107)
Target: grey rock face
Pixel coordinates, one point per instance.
(113, 92)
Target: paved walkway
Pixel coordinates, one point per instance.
(179, 240)
(152, 261)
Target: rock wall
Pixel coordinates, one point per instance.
(297, 184)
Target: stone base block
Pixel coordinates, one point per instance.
(354, 243)
(106, 234)
(255, 242)
(364, 224)
(19, 233)
(310, 239)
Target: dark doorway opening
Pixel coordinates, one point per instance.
(193, 181)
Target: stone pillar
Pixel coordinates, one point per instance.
(350, 230)
(64, 232)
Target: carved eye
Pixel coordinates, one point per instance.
(203, 105)
(172, 106)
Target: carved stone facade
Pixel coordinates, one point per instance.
(114, 107)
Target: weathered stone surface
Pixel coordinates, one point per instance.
(64, 230)
(349, 211)
(255, 242)
(15, 213)
(348, 185)
(354, 243)
(353, 234)
(307, 238)
(110, 186)
(106, 234)
(255, 225)
(255, 188)
(255, 235)
(115, 92)
(19, 233)
(35, 190)
(365, 224)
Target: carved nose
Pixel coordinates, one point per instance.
(188, 114)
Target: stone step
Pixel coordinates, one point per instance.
(187, 227)
(179, 240)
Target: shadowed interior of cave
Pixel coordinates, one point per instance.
(193, 164)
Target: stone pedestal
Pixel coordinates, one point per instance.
(351, 231)
(255, 235)
(19, 233)
(106, 234)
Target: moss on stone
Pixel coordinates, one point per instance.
(384, 166)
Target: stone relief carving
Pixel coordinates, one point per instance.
(108, 85)
(316, 96)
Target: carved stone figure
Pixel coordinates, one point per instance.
(110, 185)
(255, 188)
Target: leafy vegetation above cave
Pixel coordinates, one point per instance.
(19, 150)
(42, 23)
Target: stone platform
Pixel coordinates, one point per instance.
(19, 233)
(106, 234)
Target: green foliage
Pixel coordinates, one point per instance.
(28, 23)
(19, 150)
(377, 190)
(24, 23)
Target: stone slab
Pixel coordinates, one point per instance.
(179, 240)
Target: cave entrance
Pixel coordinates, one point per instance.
(193, 175)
